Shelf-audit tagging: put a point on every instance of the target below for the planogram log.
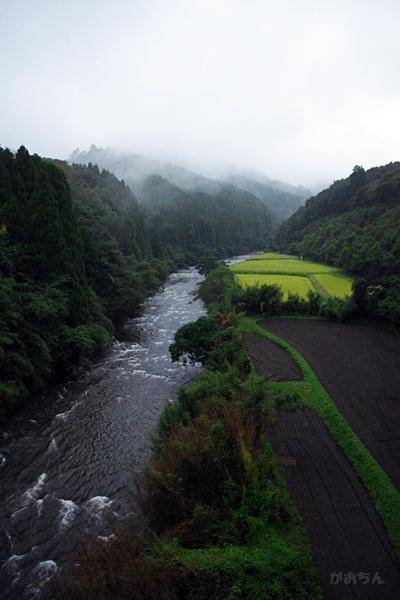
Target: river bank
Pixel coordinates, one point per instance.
(69, 468)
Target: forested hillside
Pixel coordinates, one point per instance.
(119, 261)
(49, 316)
(75, 261)
(280, 198)
(187, 225)
(355, 224)
(78, 256)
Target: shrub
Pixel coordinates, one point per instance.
(337, 309)
(124, 569)
(295, 304)
(314, 302)
(260, 299)
(205, 463)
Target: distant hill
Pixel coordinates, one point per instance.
(281, 198)
(196, 223)
(355, 224)
(134, 169)
(189, 215)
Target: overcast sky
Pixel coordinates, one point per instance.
(300, 89)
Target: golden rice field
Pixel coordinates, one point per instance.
(271, 255)
(293, 275)
(296, 284)
(336, 284)
(291, 266)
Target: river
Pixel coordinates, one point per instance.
(71, 461)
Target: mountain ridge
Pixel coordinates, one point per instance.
(281, 198)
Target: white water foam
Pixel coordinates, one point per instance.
(98, 503)
(32, 494)
(61, 416)
(106, 538)
(152, 376)
(68, 508)
(39, 507)
(52, 446)
(64, 415)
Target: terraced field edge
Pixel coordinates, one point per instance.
(383, 493)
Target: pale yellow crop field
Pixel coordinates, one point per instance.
(274, 255)
(296, 284)
(336, 284)
(291, 266)
(293, 275)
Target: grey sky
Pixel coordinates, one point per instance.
(302, 90)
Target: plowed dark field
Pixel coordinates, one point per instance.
(271, 360)
(359, 365)
(346, 534)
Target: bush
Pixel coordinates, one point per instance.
(195, 341)
(314, 302)
(337, 309)
(85, 342)
(295, 305)
(205, 463)
(124, 569)
(263, 299)
(210, 384)
(208, 342)
(219, 287)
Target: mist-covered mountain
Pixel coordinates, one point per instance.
(134, 169)
(281, 198)
(196, 223)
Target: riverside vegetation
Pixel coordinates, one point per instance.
(220, 522)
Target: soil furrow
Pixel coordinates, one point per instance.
(359, 366)
(347, 535)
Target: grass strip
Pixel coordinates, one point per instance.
(383, 493)
(319, 288)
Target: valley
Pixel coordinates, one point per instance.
(199, 300)
(286, 425)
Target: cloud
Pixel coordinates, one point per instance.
(301, 90)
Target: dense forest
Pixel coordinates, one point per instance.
(188, 225)
(78, 256)
(355, 224)
(119, 261)
(71, 268)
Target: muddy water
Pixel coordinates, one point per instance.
(69, 464)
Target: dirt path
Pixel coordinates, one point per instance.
(345, 531)
(359, 365)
